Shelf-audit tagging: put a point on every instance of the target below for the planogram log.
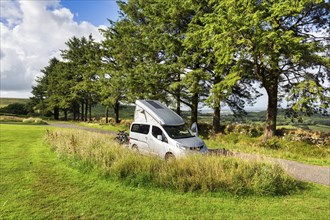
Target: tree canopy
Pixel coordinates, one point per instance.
(198, 52)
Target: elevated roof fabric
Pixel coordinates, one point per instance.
(161, 113)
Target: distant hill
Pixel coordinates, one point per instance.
(6, 101)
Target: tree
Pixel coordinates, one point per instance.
(161, 56)
(83, 58)
(278, 41)
(119, 54)
(52, 92)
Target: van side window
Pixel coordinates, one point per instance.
(138, 128)
(156, 131)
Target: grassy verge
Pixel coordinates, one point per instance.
(108, 127)
(20, 120)
(276, 147)
(194, 173)
(36, 184)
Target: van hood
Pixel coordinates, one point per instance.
(192, 142)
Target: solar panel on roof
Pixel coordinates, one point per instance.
(154, 104)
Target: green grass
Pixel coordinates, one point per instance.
(107, 127)
(36, 184)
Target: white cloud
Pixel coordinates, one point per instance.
(32, 32)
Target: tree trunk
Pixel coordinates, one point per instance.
(65, 114)
(216, 108)
(216, 119)
(106, 114)
(178, 103)
(74, 111)
(86, 109)
(178, 97)
(270, 128)
(56, 113)
(194, 109)
(90, 111)
(82, 111)
(116, 110)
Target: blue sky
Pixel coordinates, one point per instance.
(94, 11)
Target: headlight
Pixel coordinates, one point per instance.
(181, 146)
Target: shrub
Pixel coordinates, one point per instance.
(205, 129)
(15, 108)
(36, 121)
(194, 173)
(252, 130)
(272, 143)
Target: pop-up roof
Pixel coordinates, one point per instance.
(159, 112)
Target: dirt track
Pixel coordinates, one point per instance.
(300, 171)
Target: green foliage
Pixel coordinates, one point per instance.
(272, 143)
(15, 108)
(252, 130)
(188, 52)
(277, 44)
(194, 173)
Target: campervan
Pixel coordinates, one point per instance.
(159, 130)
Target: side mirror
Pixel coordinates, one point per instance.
(159, 137)
(194, 129)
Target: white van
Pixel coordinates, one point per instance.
(159, 130)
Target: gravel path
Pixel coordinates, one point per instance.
(300, 171)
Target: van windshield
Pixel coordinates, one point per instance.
(178, 132)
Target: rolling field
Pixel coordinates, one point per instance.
(36, 184)
(6, 101)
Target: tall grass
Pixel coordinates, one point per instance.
(194, 173)
(33, 121)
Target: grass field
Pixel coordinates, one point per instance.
(36, 184)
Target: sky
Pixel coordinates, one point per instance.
(34, 31)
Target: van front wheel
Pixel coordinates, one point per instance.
(135, 148)
(169, 156)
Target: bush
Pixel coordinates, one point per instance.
(15, 108)
(196, 173)
(252, 130)
(272, 143)
(205, 129)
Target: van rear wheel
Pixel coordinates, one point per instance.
(169, 156)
